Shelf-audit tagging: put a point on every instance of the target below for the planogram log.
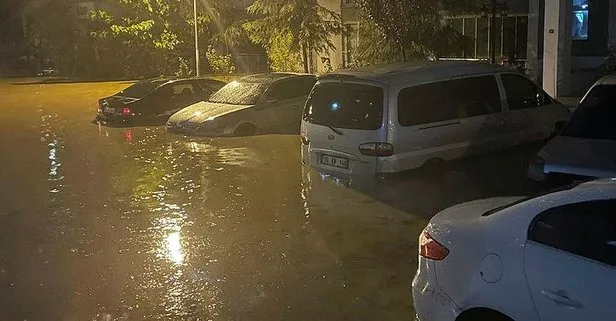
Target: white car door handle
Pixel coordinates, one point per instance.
(561, 298)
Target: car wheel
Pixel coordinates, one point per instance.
(245, 130)
(482, 314)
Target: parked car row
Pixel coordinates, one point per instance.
(152, 101)
(547, 257)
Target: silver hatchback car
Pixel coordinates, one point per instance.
(255, 104)
(586, 147)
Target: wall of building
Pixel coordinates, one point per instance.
(320, 61)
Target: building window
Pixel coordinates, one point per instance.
(350, 44)
(579, 25)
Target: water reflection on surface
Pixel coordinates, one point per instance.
(174, 248)
(136, 224)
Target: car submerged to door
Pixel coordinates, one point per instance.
(546, 258)
(255, 104)
(586, 147)
(151, 102)
(386, 119)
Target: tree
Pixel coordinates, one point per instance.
(156, 36)
(285, 27)
(409, 29)
(52, 32)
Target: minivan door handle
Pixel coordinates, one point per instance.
(561, 298)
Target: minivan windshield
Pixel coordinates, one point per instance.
(345, 105)
(239, 93)
(594, 118)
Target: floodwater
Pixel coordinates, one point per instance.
(101, 223)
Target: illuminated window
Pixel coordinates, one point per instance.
(579, 25)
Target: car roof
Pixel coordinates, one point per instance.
(169, 80)
(607, 80)
(423, 71)
(271, 77)
(603, 183)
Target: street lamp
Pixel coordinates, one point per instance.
(198, 73)
(496, 6)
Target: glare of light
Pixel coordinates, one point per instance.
(210, 118)
(174, 248)
(55, 164)
(128, 135)
(234, 83)
(197, 114)
(585, 6)
(335, 106)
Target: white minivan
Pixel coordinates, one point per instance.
(386, 119)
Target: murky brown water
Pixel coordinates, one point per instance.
(102, 223)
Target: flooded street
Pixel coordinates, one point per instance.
(100, 223)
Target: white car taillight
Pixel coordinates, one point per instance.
(430, 248)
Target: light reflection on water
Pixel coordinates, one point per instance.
(174, 248)
(203, 229)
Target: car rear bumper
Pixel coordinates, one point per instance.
(431, 303)
(113, 119)
(356, 166)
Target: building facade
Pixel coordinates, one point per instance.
(563, 42)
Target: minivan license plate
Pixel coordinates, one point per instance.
(334, 161)
(110, 110)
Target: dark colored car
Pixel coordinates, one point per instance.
(151, 102)
(255, 104)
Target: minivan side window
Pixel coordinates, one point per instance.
(523, 93)
(587, 229)
(448, 100)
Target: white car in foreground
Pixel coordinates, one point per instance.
(546, 258)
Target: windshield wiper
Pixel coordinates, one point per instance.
(335, 130)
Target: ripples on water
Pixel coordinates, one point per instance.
(139, 224)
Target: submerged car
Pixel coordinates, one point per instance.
(385, 119)
(256, 104)
(151, 102)
(545, 258)
(586, 147)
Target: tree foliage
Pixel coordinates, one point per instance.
(409, 29)
(52, 35)
(154, 35)
(295, 26)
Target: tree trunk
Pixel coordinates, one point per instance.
(305, 58)
(402, 52)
